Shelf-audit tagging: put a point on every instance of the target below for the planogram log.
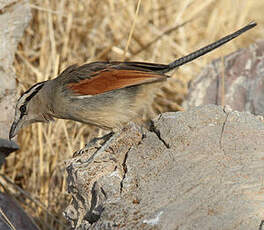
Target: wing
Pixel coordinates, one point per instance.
(100, 77)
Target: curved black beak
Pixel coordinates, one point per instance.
(12, 131)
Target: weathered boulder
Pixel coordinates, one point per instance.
(236, 80)
(14, 216)
(201, 169)
(6, 147)
(14, 17)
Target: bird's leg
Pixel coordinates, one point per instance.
(96, 143)
(104, 138)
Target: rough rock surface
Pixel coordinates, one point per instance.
(201, 169)
(243, 85)
(15, 214)
(14, 17)
(6, 147)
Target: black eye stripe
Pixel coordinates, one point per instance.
(23, 107)
(34, 93)
(38, 87)
(40, 83)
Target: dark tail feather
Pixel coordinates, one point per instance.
(208, 48)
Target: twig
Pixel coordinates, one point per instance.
(160, 36)
(6, 220)
(132, 29)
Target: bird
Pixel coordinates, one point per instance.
(104, 94)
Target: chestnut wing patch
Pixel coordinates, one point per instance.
(111, 79)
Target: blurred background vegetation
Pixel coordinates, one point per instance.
(64, 32)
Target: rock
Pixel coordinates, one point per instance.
(243, 87)
(97, 173)
(14, 17)
(14, 214)
(6, 147)
(201, 169)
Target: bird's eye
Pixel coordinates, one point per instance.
(23, 109)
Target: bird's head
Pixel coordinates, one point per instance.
(30, 109)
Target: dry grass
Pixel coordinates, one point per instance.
(65, 32)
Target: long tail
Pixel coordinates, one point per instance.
(208, 48)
